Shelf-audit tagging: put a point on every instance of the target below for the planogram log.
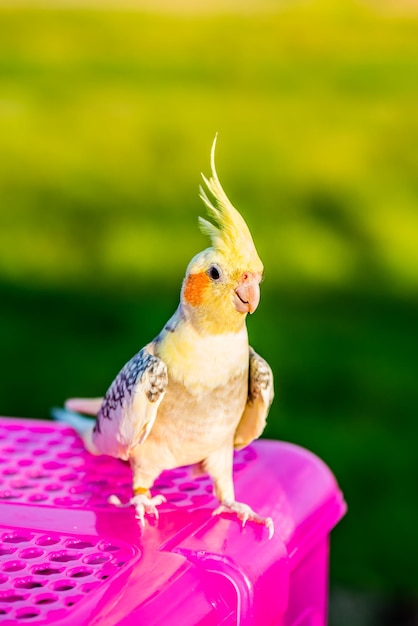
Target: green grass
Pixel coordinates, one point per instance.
(106, 120)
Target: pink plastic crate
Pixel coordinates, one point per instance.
(68, 557)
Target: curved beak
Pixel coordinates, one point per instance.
(247, 294)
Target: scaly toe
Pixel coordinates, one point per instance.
(143, 504)
(146, 505)
(245, 514)
(151, 507)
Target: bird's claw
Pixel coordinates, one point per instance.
(143, 505)
(245, 514)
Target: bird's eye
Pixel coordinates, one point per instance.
(214, 272)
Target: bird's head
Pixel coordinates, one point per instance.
(222, 283)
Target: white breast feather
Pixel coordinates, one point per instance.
(204, 362)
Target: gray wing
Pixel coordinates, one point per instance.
(260, 397)
(130, 405)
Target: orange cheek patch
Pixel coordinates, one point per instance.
(195, 286)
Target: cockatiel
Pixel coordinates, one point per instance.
(198, 390)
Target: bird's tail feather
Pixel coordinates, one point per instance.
(83, 425)
(89, 406)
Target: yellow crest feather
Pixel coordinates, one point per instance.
(229, 234)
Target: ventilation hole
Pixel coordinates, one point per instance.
(73, 599)
(53, 487)
(108, 547)
(81, 572)
(27, 584)
(68, 477)
(201, 499)
(188, 487)
(163, 485)
(15, 538)
(54, 442)
(53, 465)
(36, 474)
(46, 599)
(79, 467)
(178, 474)
(12, 598)
(8, 495)
(4, 551)
(38, 497)
(66, 455)
(30, 553)
(14, 566)
(47, 540)
(47, 571)
(176, 497)
(63, 586)
(9, 450)
(41, 429)
(27, 613)
(20, 484)
(64, 557)
(79, 545)
(96, 559)
(9, 471)
(25, 462)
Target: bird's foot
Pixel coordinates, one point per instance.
(245, 514)
(143, 503)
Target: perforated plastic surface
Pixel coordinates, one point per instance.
(69, 557)
(45, 463)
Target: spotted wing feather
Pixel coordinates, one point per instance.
(260, 397)
(130, 405)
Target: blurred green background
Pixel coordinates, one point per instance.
(107, 115)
